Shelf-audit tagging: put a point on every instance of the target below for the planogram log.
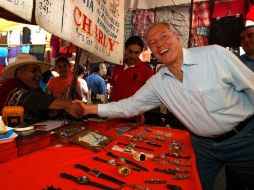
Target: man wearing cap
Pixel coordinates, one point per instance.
(22, 87)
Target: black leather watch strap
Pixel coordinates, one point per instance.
(99, 174)
(83, 180)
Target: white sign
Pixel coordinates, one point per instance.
(94, 25)
(22, 8)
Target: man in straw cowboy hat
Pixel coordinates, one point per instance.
(21, 87)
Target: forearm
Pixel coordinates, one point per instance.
(59, 104)
(91, 109)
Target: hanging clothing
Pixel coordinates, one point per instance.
(128, 27)
(225, 31)
(178, 17)
(200, 23)
(26, 37)
(142, 18)
(227, 22)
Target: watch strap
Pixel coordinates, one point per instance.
(84, 182)
(128, 161)
(68, 176)
(115, 164)
(99, 174)
(134, 146)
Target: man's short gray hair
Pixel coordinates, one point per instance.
(170, 26)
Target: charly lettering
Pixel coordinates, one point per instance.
(86, 25)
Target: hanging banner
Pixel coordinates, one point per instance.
(94, 25)
(21, 8)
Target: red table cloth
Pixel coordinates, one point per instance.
(41, 168)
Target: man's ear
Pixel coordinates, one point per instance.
(178, 37)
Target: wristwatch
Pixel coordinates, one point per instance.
(99, 174)
(84, 180)
(113, 162)
(131, 146)
(127, 161)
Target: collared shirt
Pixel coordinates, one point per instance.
(127, 80)
(247, 61)
(216, 94)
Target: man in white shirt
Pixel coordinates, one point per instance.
(210, 91)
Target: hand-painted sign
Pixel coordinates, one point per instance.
(94, 25)
(22, 8)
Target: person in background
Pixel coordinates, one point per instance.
(82, 83)
(128, 78)
(21, 87)
(96, 83)
(247, 43)
(210, 91)
(59, 86)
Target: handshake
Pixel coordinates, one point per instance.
(78, 108)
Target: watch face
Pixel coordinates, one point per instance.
(83, 180)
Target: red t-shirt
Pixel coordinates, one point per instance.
(127, 82)
(59, 87)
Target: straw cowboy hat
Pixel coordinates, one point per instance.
(23, 59)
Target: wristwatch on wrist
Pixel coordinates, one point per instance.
(84, 180)
(99, 174)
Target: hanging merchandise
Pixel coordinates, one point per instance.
(3, 55)
(200, 23)
(227, 22)
(55, 46)
(142, 18)
(178, 17)
(128, 27)
(66, 48)
(26, 37)
(3, 38)
(250, 13)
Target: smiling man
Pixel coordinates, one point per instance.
(21, 87)
(210, 91)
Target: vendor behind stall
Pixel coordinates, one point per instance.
(21, 87)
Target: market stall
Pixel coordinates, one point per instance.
(41, 169)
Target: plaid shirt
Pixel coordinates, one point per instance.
(200, 14)
(142, 18)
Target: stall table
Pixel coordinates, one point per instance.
(41, 168)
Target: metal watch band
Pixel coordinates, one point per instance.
(128, 161)
(99, 174)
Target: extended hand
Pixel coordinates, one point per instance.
(87, 108)
(74, 109)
